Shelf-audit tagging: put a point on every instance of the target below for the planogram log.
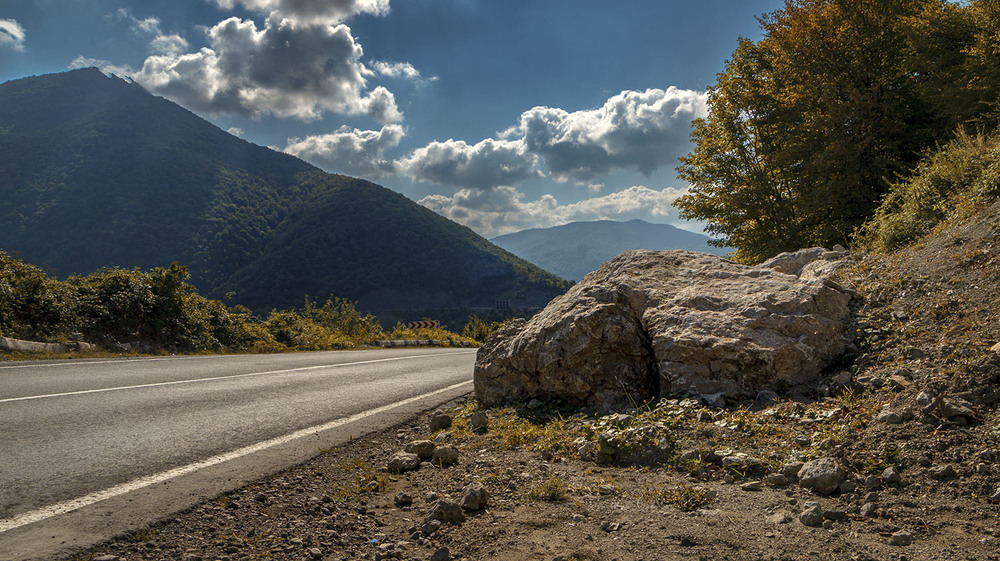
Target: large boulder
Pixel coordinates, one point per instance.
(651, 322)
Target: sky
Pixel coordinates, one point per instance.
(499, 114)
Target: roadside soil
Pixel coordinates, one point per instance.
(910, 415)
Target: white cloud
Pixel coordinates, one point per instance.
(484, 165)
(284, 69)
(12, 35)
(396, 69)
(311, 11)
(348, 150)
(633, 130)
(105, 66)
(236, 131)
(168, 45)
(502, 210)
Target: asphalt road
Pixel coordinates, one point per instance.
(78, 437)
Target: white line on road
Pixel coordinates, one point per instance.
(136, 484)
(231, 377)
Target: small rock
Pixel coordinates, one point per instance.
(423, 448)
(445, 456)
(872, 483)
(888, 416)
(430, 527)
(316, 553)
(440, 421)
(792, 470)
(848, 487)
(403, 461)
(766, 398)
(995, 348)
(776, 479)
(713, 399)
(901, 538)
(108, 557)
(752, 486)
(812, 515)
(402, 499)
(442, 554)
(823, 475)
(478, 421)
(835, 515)
(779, 518)
(606, 489)
(891, 475)
(474, 497)
(942, 473)
(867, 510)
(446, 511)
(842, 379)
(996, 496)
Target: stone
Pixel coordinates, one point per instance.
(776, 479)
(441, 554)
(812, 515)
(888, 416)
(446, 510)
(835, 515)
(474, 497)
(995, 348)
(403, 461)
(667, 321)
(752, 486)
(779, 518)
(792, 470)
(108, 557)
(873, 483)
(430, 526)
(440, 421)
(422, 448)
(479, 422)
(606, 489)
(996, 496)
(891, 475)
(822, 475)
(445, 456)
(402, 499)
(952, 407)
(867, 510)
(942, 473)
(901, 538)
(315, 553)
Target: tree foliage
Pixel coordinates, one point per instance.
(808, 126)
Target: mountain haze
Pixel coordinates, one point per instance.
(575, 249)
(97, 172)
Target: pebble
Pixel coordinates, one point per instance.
(891, 475)
(606, 489)
(402, 499)
(776, 480)
(943, 472)
(442, 554)
(868, 510)
(996, 496)
(440, 421)
(901, 538)
(812, 515)
(752, 486)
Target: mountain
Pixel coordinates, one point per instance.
(95, 172)
(575, 249)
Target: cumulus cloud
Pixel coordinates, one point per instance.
(640, 131)
(633, 130)
(106, 67)
(12, 35)
(396, 69)
(349, 150)
(487, 164)
(311, 11)
(285, 69)
(502, 210)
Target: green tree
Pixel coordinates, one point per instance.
(807, 127)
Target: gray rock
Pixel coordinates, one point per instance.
(888, 416)
(779, 518)
(891, 475)
(791, 470)
(873, 483)
(952, 407)
(402, 499)
(422, 448)
(671, 320)
(942, 473)
(403, 461)
(835, 515)
(474, 497)
(752, 486)
(445, 456)
(441, 554)
(867, 510)
(446, 511)
(776, 479)
(812, 515)
(478, 421)
(822, 475)
(430, 526)
(440, 421)
(901, 538)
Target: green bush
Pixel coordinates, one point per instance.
(949, 184)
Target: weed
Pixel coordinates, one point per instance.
(553, 489)
(685, 497)
(146, 535)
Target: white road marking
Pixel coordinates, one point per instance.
(142, 482)
(248, 375)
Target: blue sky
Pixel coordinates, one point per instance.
(500, 114)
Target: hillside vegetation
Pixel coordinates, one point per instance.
(99, 173)
(810, 127)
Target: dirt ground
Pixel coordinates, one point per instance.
(910, 416)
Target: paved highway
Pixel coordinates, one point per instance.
(78, 437)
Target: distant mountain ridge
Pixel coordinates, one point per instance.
(575, 249)
(97, 172)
